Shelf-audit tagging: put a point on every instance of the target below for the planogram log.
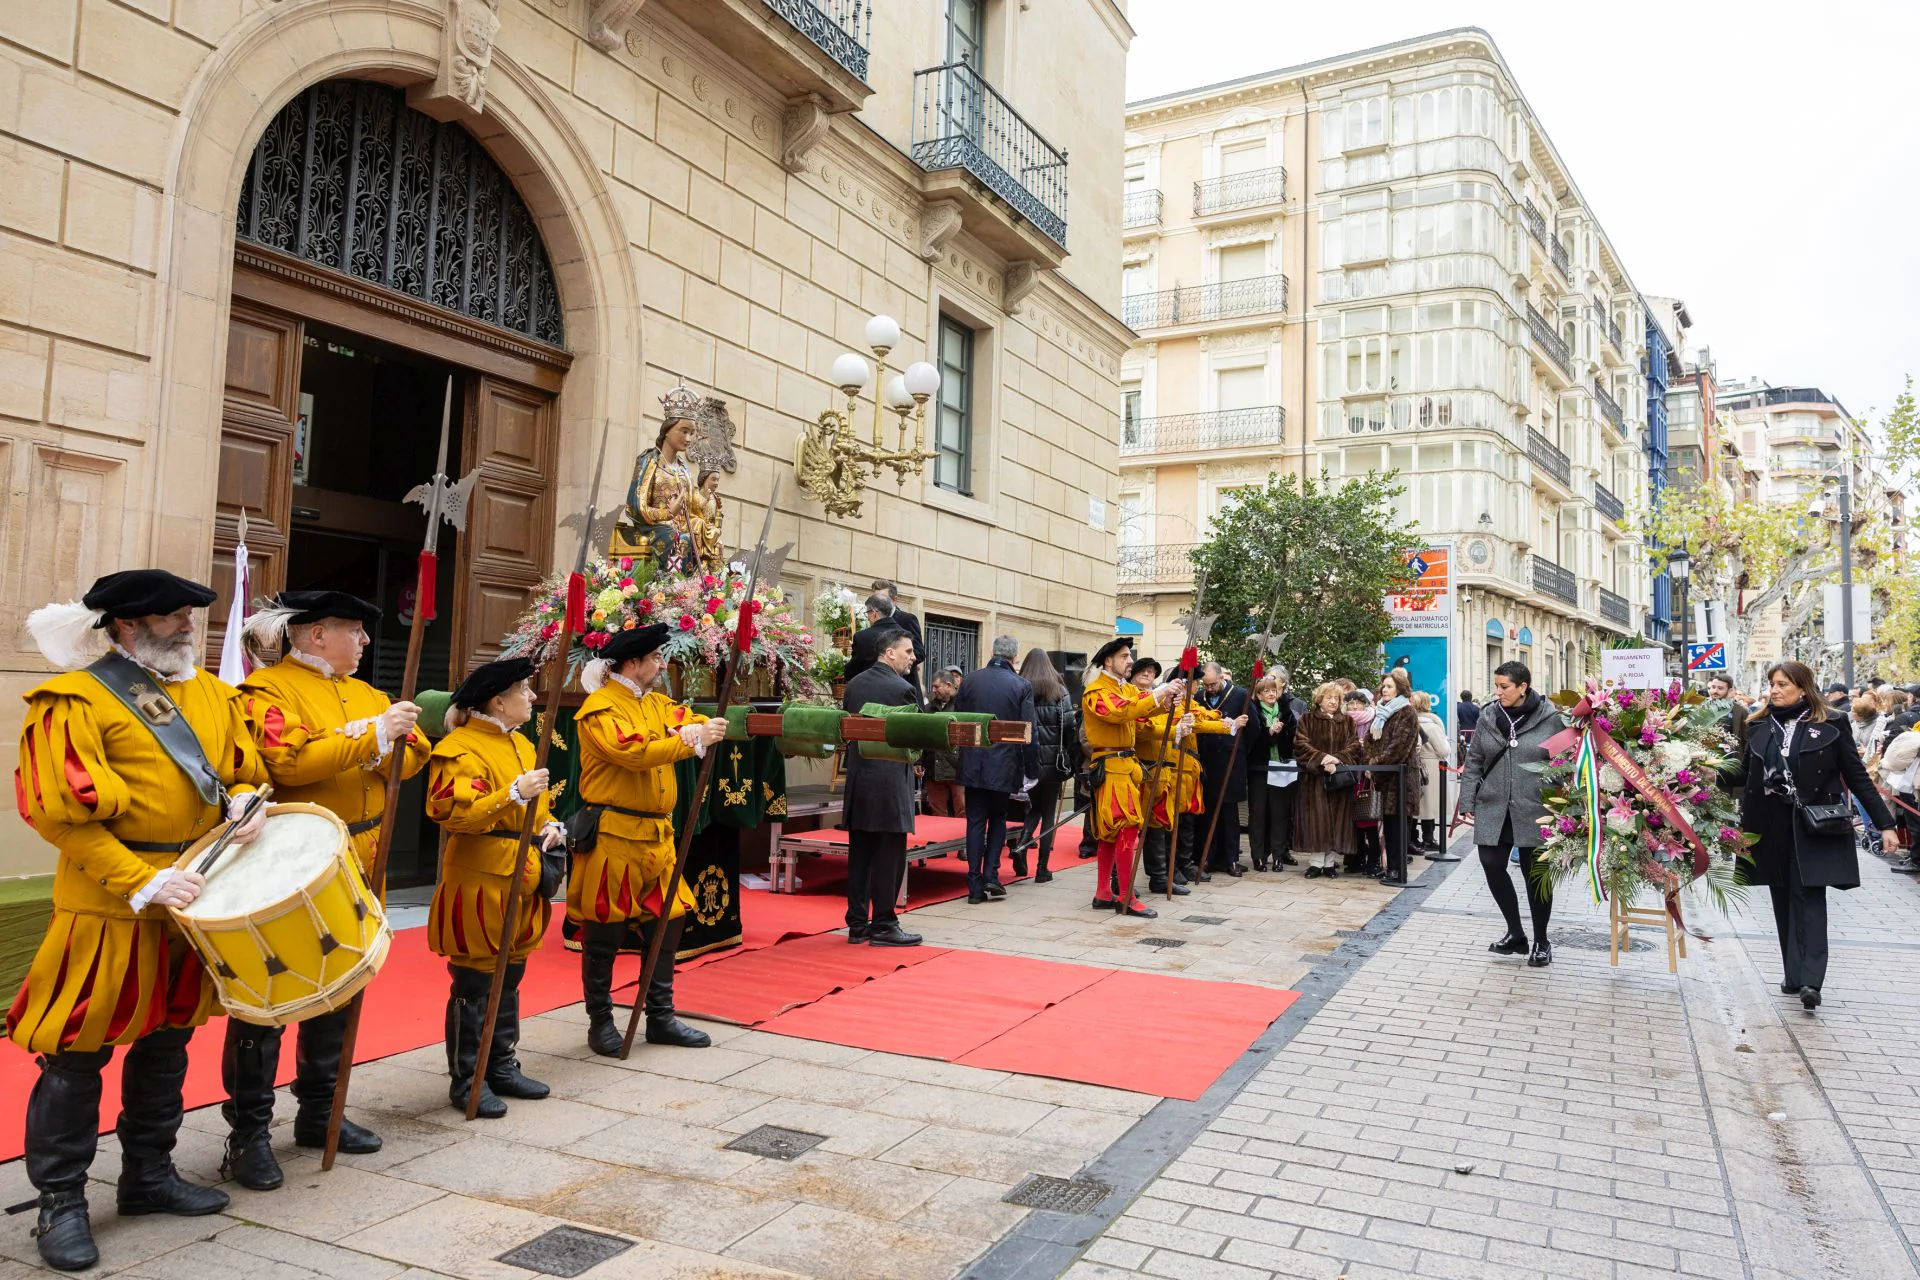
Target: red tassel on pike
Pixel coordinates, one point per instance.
(577, 603)
(1259, 669)
(745, 630)
(426, 588)
(1190, 659)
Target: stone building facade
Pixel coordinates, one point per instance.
(245, 244)
(1379, 261)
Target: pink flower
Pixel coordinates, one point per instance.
(1685, 778)
(626, 564)
(1729, 836)
(1653, 818)
(625, 583)
(1648, 736)
(686, 622)
(713, 604)
(646, 606)
(596, 640)
(1701, 796)
(1567, 826)
(1624, 697)
(549, 631)
(1603, 724)
(709, 582)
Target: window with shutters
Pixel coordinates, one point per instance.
(1240, 388)
(1243, 262)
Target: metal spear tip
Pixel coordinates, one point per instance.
(764, 566)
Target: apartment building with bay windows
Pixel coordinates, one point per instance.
(1378, 261)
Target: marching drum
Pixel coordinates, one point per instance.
(286, 925)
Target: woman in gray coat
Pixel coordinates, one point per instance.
(1504, 799)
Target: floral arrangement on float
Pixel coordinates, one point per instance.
(700, 611)
(833, 612)
(1632, 799)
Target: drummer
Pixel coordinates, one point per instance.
(107, 776)
(630, 739)
(479, 782)
(327, 739)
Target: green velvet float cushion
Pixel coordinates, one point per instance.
(807, 730)
(433, 704)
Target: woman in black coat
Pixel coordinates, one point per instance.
(1798, 755)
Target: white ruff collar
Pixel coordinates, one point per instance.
(495, 721)
(307, 660)
(632, 686)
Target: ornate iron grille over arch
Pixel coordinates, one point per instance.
(350, 177)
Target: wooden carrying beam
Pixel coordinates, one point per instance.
(762, 724)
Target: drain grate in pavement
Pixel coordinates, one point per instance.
(775, 1143)
(1204, 919)
(1162, 942)
(1589, 940)
(1059, 1195)
(565, 1251)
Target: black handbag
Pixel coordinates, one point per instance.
(1341, 779)
(1827, 820)
(583, 828)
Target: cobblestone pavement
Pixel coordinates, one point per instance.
(1426, 1109)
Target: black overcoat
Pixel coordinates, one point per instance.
(879, 792)
(998, 690)
(1826, 766)
(1215, 748)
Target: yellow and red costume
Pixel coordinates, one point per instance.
(91, 778)
(470, 794)
(317, 736)
(629, 744)
(1111, 713)
(1155, 742)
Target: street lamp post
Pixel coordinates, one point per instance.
(1846, 578)
(1679, 565)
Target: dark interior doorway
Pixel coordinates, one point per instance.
(368, 430)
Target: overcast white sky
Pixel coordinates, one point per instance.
(1760, 159)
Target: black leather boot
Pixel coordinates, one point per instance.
(150, 1109)
(504, 1076)
(63, 1125)
(466, 1016)
(599, 944)
(316, 1070)
(662, 1026)
(249, 1058)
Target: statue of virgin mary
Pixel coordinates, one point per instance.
(658, 520)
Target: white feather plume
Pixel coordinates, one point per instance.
(594, 674)
(454, 717)
(265, 634)
(68, 635)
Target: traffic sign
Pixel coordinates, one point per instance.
(1707, 657)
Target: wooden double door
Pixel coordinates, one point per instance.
(290, 329)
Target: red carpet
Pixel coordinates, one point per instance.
(758, 985)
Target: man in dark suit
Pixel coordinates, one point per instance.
(906, 622)
(866, 641)
(992, 774)
(879, 805)
(1226, 788)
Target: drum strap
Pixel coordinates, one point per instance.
(361, 828)
(150, 705)
(159, 846)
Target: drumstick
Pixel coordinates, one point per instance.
(218, 847)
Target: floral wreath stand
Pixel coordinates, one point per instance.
(1621, 917)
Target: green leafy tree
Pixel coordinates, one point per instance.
(1333, 549)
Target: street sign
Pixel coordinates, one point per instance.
(1707, 657)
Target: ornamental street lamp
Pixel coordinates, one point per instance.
(1679, 566)
(832, 462)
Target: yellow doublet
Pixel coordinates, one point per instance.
(317, 737)
(92, 776)
(1110, 712)
(1161, 784)
(469, 793)
(628, 747)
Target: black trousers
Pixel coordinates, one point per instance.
(1269, 822)
(1800, 916)
(875, 862)
(1493, 861)
(1043, 818)
(1225, 849)
(986, 837)
(1392, 836)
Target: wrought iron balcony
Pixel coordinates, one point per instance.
(1558, 252)
(1238, 191)
(1261, 295)
(1608, 505)
(1613, 333)
(1609, 408)
(1549, 457)
(1614, 608)
(1536, 222)
(1542, 330)
(1141, 209)
(1550, 579)
(961, 122)
(1157, 562)
(843, 29)
(1264, 425)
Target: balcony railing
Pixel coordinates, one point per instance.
(1550, 342)
(1141, 209)
(1780, 395)
(1609, 408)
(1655, 629)
(1613, 332)
(843, 29)
(1558, 252)
(1550, 579)
(1822, 435)
(1259, 186)
(1157, 562)
(1264, 425)
(1228, 300)
(1549, 457)
(1614, 608)
(1536, 223)
(962, 122)
(1608, 505)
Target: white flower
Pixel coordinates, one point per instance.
(1673, 753)
(1610, 779)
(1620, 823)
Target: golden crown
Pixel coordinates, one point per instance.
(678, 404)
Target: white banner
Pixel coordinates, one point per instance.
(1634, 668)
(1862, 613)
